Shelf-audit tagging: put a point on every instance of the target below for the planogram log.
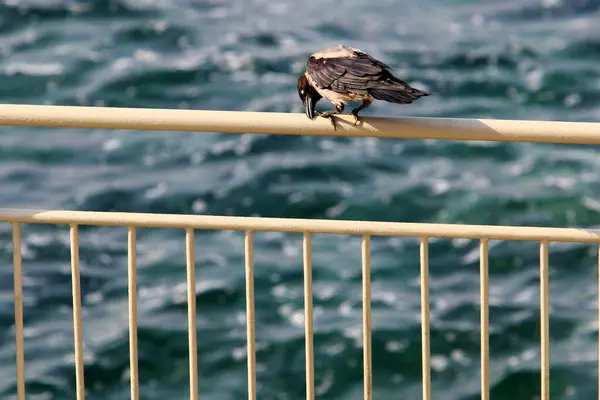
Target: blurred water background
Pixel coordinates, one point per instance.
(526, 59)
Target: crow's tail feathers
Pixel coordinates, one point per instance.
(399, 93)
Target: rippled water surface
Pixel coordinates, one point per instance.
(481, 59)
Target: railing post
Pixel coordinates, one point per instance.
(190, 255)
(484, 286)
(250, 315)
(425, 349)
(308, 316)
(77, 323)
(366, 304)
(132, 289)
(544, 321)
(18, 295)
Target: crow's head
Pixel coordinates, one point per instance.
(308, 95)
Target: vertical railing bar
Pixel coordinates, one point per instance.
(425, 319)
(250, 316)
(132, 292)
(190, 255)
(485, 321)
(77, 323)
(308, 316)
(366, 304)
(18, 294)
(544, 322)
(598, 271)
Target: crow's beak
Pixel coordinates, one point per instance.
(310, 106)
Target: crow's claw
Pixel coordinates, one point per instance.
(329, 116)
(355, 115)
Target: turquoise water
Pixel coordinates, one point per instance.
(480, 59)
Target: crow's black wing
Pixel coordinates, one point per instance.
(363, 75)
(325, 71)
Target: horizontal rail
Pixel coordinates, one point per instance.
(343, 227)
(298, 124)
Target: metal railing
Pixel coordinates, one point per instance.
(219, 121)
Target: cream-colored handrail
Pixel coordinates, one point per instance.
(302, 225)
(298, 124)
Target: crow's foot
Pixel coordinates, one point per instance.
(329, 115)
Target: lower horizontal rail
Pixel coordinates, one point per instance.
(450, 231)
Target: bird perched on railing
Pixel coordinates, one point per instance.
(342, 75)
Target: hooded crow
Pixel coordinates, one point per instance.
(342, 75)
